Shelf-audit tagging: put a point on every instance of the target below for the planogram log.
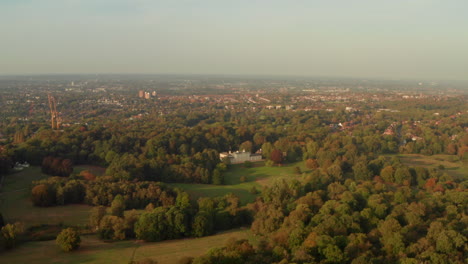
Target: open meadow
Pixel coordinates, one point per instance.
(450, 163)
(93, 250)
(257, 176)
(15, 204)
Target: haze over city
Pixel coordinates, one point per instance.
(369, 39)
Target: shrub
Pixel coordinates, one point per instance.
(41, 195)
(10, 234)
(68, 239)
(269, 163)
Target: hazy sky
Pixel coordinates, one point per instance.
(356, 38)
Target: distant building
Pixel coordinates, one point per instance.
(240, 157)
(141, 94)
(20, 166)
(147, 95)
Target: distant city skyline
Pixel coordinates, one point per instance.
(412, 39)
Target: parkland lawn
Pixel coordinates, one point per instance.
(15, 204)
(93, 250)
(257, 176)
(452, 166)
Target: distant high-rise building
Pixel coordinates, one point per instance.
(154, 94)
(141, 94)
(147, 95)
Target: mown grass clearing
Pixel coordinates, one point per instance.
(257, 176)
(93, 250)
(451, 164)
(15, 204)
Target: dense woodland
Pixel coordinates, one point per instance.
(356, 221)
(185, 148)
(357, 203)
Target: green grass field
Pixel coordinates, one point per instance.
(451, 164)
(93, 250)
(16, 206)
(257, 176)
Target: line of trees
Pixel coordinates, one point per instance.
(102, 191)
(182, 219)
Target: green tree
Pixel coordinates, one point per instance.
(112, 227)
(403, 176)
(182, 200)
(247, 146)
(152, 226)
(202, 224)
(387, 174)
(97, 213)
(68, 239)
(217, 178)
(129, 223)
(391, 238)
(361, 172)
(267, 149)
(335, 172)
(118, 206)
(10, 233)
(333, 254)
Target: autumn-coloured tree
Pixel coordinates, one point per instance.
(87, 175)
(311, 164)
(41, 195)
(430, 184)
(57, 166)
(276, 156)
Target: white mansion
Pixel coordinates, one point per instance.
(240, 157)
